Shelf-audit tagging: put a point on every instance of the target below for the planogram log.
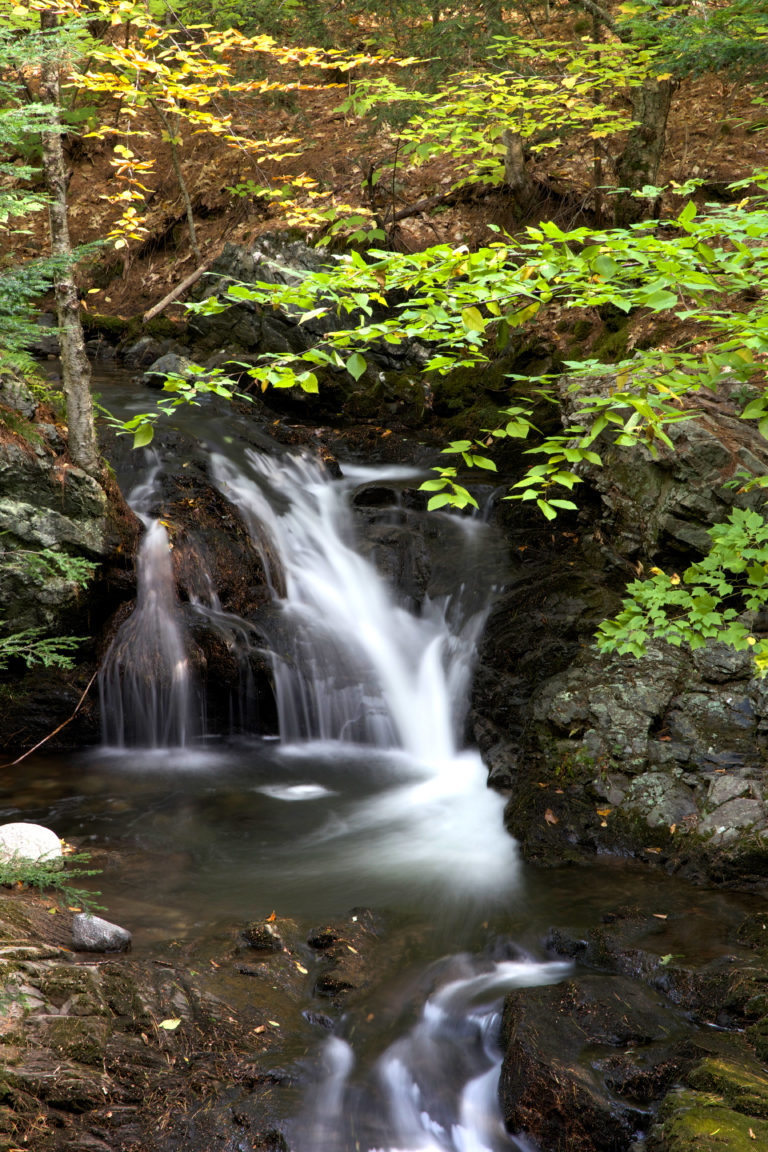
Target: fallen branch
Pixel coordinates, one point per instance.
(177, 291)
(45, 739)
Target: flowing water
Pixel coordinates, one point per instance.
(369, 798)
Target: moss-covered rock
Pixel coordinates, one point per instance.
(743, 1087)
(693, 1121)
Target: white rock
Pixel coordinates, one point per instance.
(28, 842)
(92, 934)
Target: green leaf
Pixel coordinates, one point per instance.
(143, 435)
(439, 501)
(472, 320)
(356, 365)
(547, 509)
(755, 409)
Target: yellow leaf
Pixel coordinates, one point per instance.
(603, 811)
(274, 1023)
(170, 1025)
(272, 917)
(352, 949)
(301, 969)
(674, 578)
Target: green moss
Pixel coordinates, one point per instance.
(702, 1122)
(612, 345)
(163, 329)
(743, 1088)
(81, 1038)
(111, 327)
(18, 425)
(582, 329)
(61, 983)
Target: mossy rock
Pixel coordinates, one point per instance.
(702, 1122)
(81, 1038)
(612, 345)
(62, 983)
(743, 1087)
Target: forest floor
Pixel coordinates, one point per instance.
(713, 134)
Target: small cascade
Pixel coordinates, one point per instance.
(146, 687)
(435, 1088)
(352, 664)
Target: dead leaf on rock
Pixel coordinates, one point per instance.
(550, 817)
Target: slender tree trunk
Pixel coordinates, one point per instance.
(75, 369)
(516, 175)
(172, 133)
(638, 164)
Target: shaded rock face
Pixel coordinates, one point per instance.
(48, 503)
(51, 509)
(662, 755)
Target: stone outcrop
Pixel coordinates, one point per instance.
(52, 513)
(664, 754)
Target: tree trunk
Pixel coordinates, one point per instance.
(75, 369)
(638, 164)
(516, 175)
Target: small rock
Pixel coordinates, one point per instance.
(262, 936)
(92, 934)
(28, 842)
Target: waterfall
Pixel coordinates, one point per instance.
(146, 687)
(352, 663)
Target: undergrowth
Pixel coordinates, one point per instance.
(56, 875)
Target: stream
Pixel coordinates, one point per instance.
(367, 800)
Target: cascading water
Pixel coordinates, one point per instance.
(357, 667)
(146, 688)
(435, 1088)
(353, 666)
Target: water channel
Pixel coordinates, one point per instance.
(367, 800)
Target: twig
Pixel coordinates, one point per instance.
(45, 739)
(156, 309)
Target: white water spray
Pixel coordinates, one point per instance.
(146, 687)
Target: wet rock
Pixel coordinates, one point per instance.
(170, 363)
(92, 934)
(585, 1058)
(144, 352)
(346, 949)
(47, 342)
(262, 936)
(29, 842)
